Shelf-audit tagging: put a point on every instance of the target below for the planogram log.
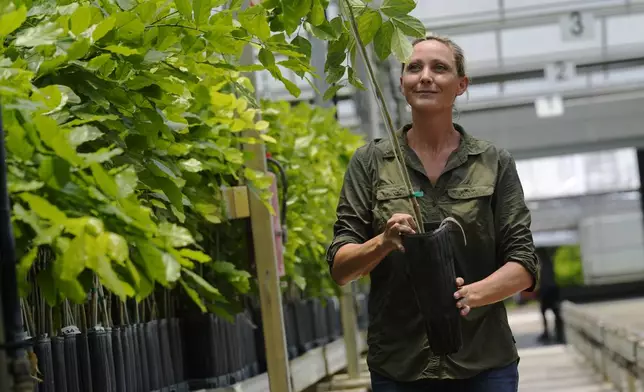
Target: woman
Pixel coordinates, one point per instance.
(459, 176)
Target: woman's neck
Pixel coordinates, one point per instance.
(432, 133)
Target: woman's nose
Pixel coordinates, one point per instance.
(426, 75)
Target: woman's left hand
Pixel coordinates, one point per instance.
(467, 296)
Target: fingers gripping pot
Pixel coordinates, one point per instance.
(430, 263)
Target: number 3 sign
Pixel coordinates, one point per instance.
(577, 26)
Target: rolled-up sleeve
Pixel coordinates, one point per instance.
(513, 220)
(353, 213)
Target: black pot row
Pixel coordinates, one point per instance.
(177, 355)
(134, 358)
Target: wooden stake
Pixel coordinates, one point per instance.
(350, 330)
(270, 294)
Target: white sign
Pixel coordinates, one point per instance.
(560, 71)
(577, 26)
(549, 106)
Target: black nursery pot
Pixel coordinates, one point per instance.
(431, 263)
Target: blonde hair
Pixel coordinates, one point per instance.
(459, 56)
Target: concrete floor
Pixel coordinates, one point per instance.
(552, 367)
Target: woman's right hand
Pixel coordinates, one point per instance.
(397, 225)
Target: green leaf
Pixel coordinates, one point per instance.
(317, 13)
(331, 91)
(78, 49)
(115, 246)
(172, 191)
(76, 257)
(302, 45)
(54, 171)
(201, 9)
(206, 288)
(73, 290)
(161, 169)
(357, 7)
(410, 25)
(103, 28)
(300, 282)
(81, 19)
(185, 8)
(83, 134)
(176, 236)
(43, 208)
(400, 45)
(393, 8)
(126, 181)
(104, 181)
(266, 57)
(153, 262)
(195, 255)
(324, 31)
(382, 40)
(45, 282)
(10, 21)
(254, 20)
(111, 280)
(125, 51)
(368, 25)
(193, 295)
(42, 34)
(355, 81)
(22, 271)
(192, 165)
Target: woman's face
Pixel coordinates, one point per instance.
(430, 81)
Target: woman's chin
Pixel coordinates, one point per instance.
(425, 105)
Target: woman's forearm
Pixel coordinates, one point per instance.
(508, 280)
(355, 260)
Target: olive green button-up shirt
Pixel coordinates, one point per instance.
(480, 188)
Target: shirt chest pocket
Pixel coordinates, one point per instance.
(471, 204)
(389, 200)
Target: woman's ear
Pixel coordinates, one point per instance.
(462, 86)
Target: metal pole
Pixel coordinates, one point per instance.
(270, 294)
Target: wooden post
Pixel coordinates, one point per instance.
(350, 330)
(268, 279)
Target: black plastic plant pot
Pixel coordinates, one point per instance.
(258, 334)
(176, 347)
(71, 363)
(233, 349)
(84, 363)
(129, 364)
(304, 325)
(109, 353)
(431, 264)
(154, 353)
(250, 355)
(219, 344)
(363, 310)
(320, 323)
(43, 352)
(143, 357)
(197, 347)
(120, 376)
(290, 325)
(98, 352)
(334, 323)
(58, 357)
(166, 359)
